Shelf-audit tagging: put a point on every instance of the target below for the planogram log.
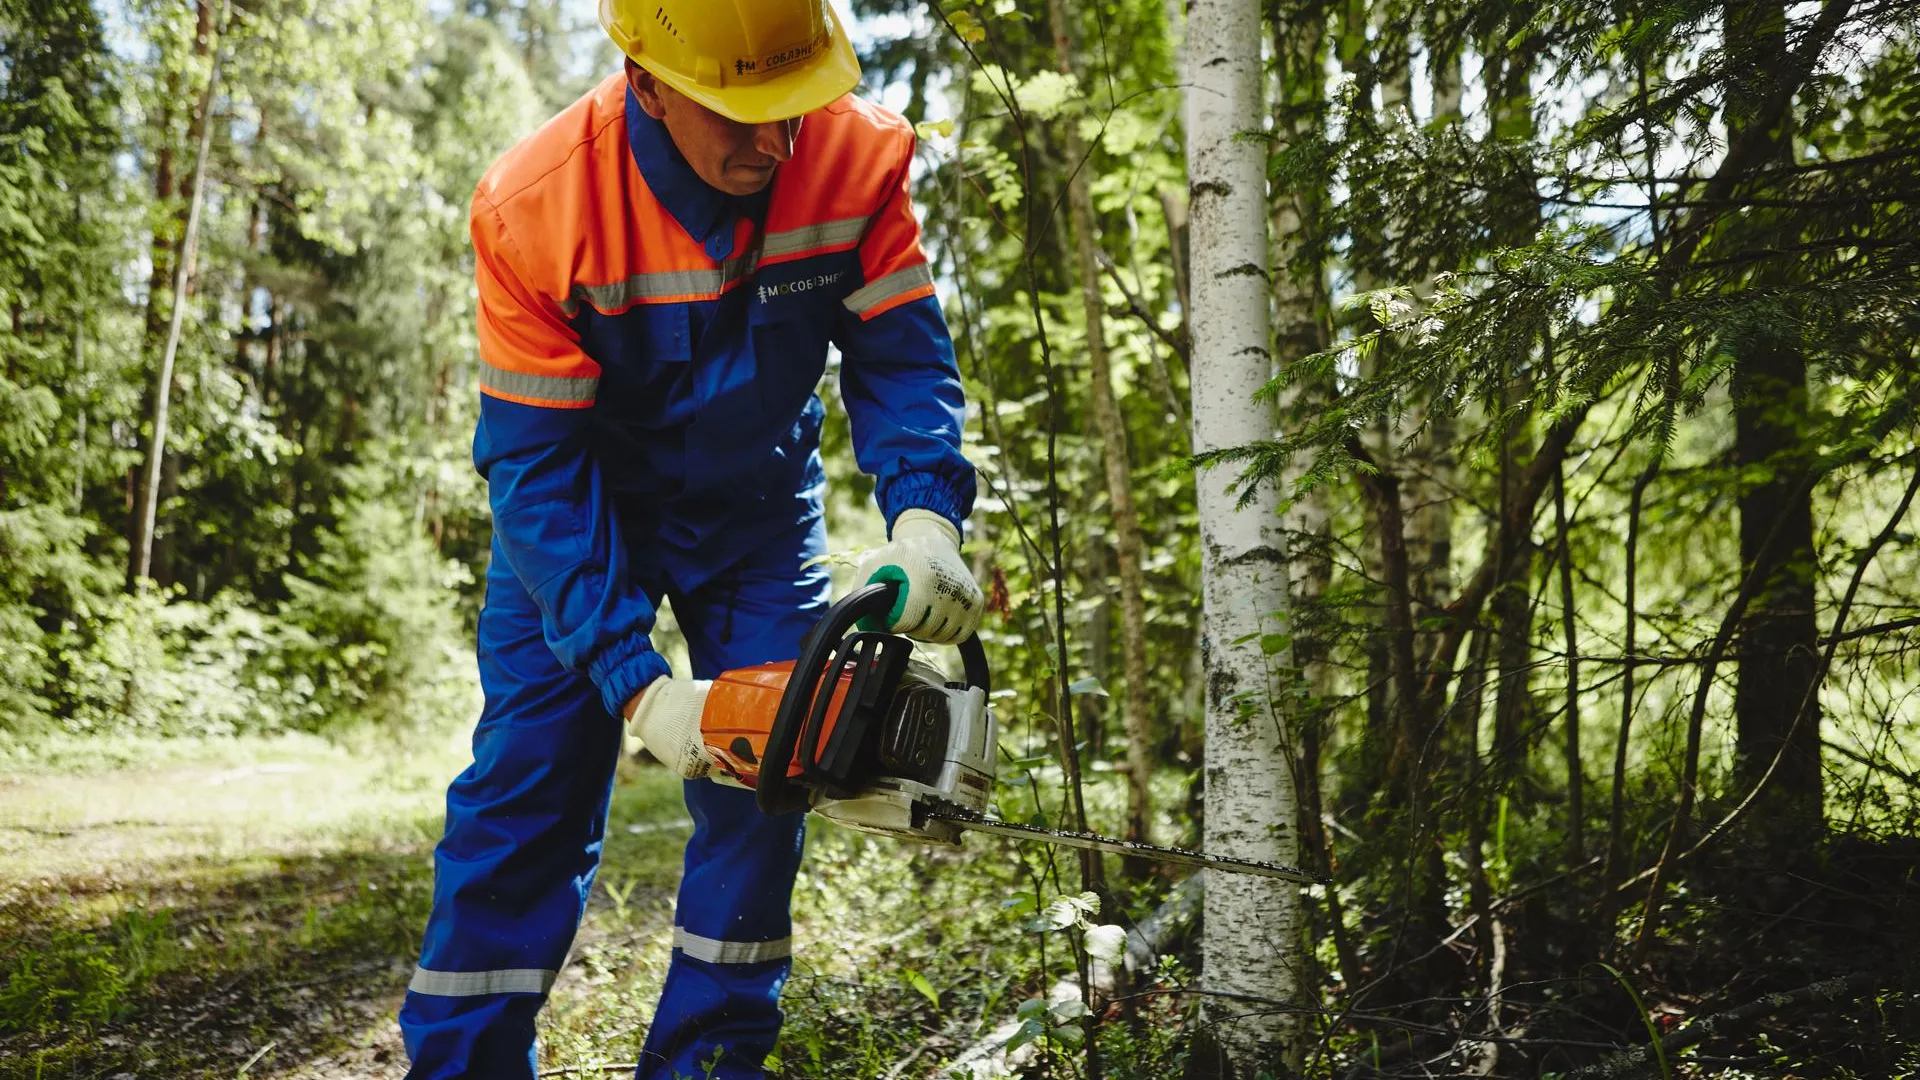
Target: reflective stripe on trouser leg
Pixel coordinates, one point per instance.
(720, 1009)
(715, 951)
(524, 829)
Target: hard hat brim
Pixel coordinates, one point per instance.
(814, 85)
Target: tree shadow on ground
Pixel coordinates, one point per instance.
(204, 971)
(267, 965)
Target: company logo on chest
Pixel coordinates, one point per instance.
(815, 283)
(776, 290)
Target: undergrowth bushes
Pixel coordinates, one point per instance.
(370, 632)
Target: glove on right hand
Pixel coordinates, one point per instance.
(666, 717)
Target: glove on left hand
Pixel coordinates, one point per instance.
(939, 600)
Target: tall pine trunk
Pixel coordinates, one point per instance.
(1250, 941)
(167, 231)
(1302, 326)
(147, 492)
(1432, 461)
(1112, 432)
(1779, 653)
(1778, 636)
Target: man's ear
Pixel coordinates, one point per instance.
(646, 90)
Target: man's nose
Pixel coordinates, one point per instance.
(775, 139)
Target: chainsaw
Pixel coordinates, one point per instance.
(866, 733)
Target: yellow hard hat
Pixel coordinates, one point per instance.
(750, 60)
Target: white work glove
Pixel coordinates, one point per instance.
(666, 717)
(939, 600)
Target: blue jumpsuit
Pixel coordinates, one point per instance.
(648, 428)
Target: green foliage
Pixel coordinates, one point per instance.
(320, 524)
(57, 135)
(378, 635)
(367, 636)
(1517, 242)
(175, 668)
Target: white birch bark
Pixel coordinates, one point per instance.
(1250, 935)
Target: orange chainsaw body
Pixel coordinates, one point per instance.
(857, 728)
(739, 716)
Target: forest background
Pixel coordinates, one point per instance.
(1593, 454)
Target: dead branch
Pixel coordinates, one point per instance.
(1465, 609)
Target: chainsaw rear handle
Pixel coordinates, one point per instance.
(775, 792)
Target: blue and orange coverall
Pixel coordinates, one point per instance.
(648, 427)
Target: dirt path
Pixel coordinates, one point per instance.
(258, 913)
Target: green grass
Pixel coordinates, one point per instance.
(196, 909)
(177, 916)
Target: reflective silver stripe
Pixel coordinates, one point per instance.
(660, 285)
(715, 951)
(667, 284)
(806, 238)
(875, 293)
(524, 384)
(475, 983)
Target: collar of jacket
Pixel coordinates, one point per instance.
(706, 214)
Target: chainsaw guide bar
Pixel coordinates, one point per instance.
(969, 819)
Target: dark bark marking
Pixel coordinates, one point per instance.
(1245, 270)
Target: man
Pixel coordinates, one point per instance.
(661, 269)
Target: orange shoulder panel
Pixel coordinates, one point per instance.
(875, 148)
(528, 247)
(562, 194)
(591, 229)
(553, 146)
(848, 188)
(848, 155)
(873, 116)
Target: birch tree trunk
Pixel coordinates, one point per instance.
(1249, 943)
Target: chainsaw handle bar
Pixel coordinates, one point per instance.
(804, 695)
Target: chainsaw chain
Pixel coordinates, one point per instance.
(942, 810)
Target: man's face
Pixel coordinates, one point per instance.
(732, 157)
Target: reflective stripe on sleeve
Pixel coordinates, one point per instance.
(875, 293)
(807, 238)
(530, 387)
(715, 951)
(476, 983)
(660, 285)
